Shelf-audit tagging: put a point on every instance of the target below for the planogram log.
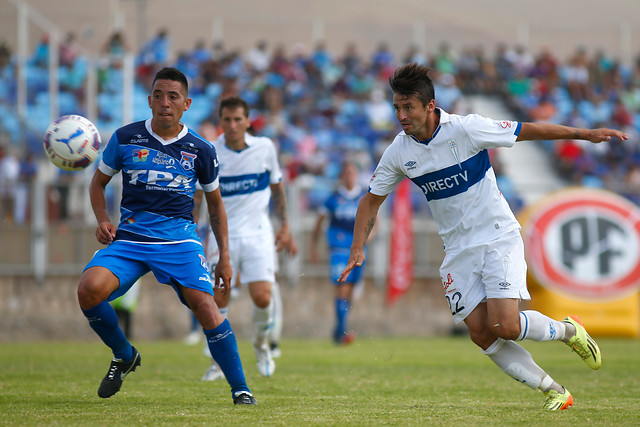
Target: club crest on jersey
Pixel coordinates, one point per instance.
(453, 146)
(140, 154)
(188, 160)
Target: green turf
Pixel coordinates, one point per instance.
(381, 381)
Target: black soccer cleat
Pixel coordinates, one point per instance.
(244, 398)
(118, 369)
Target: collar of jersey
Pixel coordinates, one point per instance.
(162, 141)
(247, 140)
(349, 193)
(444, 118)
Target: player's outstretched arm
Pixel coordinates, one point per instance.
(550, 131)
(106, 231)
(218, 221)
(365, 221)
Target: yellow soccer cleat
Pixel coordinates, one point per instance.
(583, 344)
(557, 401)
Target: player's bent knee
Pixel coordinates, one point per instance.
(506, 332)
(90, 294)
(482, 338)
(262, 300)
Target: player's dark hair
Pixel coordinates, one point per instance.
(413, 80)
(233, 102)
(170, 73)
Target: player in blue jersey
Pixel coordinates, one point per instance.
(484, 269)
(160, 160)
(340, 208)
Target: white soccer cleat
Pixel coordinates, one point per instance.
(193, 338)
(275, 350)
(266, 365)
(213, 373)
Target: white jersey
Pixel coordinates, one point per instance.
(452, 168)
(245, 179)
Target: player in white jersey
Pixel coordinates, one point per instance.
(250, 178)
(161, 160)
(484, 270)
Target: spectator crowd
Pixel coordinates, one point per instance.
(323, 107)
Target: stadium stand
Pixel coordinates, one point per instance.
(321, 107)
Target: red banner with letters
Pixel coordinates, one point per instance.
(401, 254)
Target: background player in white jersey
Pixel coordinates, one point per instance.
(161, 160)
(340, 208)
(484, 270)
(250, 177)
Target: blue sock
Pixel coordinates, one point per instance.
(342, 313)
(224, 349)
(104, 321)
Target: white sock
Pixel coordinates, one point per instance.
(224, 311)
(516, 362)
(538, 327)
(276, 313)
(261, 318)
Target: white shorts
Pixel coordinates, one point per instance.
(252, 258)
(494, 270)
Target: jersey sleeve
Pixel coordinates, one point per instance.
(275, 175)
(208, 170)
(328, 206)
(111, 161)
(386, 175)
(487, 133)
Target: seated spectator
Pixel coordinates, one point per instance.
(447, 92)
(258, 58)
(41, 54)
(157, 50)
(576, 74)
(69, 50)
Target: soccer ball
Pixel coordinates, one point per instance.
(72, 142)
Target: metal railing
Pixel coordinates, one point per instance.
(58, 237)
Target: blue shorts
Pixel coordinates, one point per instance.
(172, 264)
(338, 261)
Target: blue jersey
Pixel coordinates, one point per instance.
(159, 181)
(341, 208)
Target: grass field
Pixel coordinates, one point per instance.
(381, 381)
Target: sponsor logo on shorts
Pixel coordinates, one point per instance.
(448, 282)
(203, 262)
